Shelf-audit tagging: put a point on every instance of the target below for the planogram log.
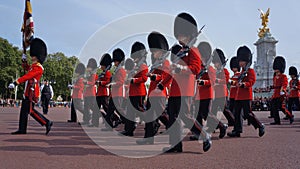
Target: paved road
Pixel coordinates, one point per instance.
(68, 146)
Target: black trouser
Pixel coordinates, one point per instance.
(134, 107)
(25, 110)
(101, 101)
(212, 120)
(291, 102)
(115, 104)
(244, 105)
(157, 106)
(276, 104)
(203, 107)
(76, 105)
(179, 109)
(90, 104)
(45, 102)
(231, 105)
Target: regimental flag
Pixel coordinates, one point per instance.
(27, 27)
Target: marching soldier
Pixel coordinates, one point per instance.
(77, 94)
(294, 86)
(221, 93)
(235, 68)
(103, 91)
(205, 83)
(89, 94)
(280, 83)
(117, 90)
(157, 93)
(182, 87)
(38, 53)
(137, 90)
(244, 94)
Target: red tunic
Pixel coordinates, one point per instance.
(78, 89)
(222, 80)
(103, 89)
(280, 83)
(245, 93)
(206, 91)
(161, 73)
(90, 89)
(183, 83)
(35, 71)
(294, 90)
(138, 88)
(233, 87)
(118, 90)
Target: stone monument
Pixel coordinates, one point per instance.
(266, 52)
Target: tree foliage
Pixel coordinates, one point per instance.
(58, 68)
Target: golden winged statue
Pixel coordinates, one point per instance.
(264, 22)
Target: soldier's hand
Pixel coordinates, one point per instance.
(242, 85)
(282, 93)
(24, 57)
(11, 86)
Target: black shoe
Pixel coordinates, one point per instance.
(84, 123)
(172, 150)
(223, 131)
(144, 141)
(206, 145)
(93, 125)
(248, 123)
(261, 130)
(270, 117)
(117, 123)
(234, 134)
(18, 132)
(71, 121)
(292, 119)
(286, 118)
(275, 123)
(194, 137)
(107, 129)
(126, 133)
(48, 127)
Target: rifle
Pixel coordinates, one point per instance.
(295, 82)
(203, 71)
(135, 68)
(103, 73)
(222, 67)
(185, 50)
(244, 74)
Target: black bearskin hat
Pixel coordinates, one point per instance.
(129, 64)
(80, 69)
(92, 63)
(138, 50)
(185, 24)
(244, 54)
(38, 48)
(106, 60)
(279, 64)
(157, 41)
(205, 50)
(118, 55)
(293, 71)
(234, 63)
(218, 56)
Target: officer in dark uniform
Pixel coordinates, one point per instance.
(47, 94)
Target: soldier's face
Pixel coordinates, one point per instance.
(277, 72)
(234, 69)
(242, 63)
(183, 40)
(116, 63)
(102, 67)
(88, 69)
(293, 76)
(34, 59)
(157, 53)
(217, 65)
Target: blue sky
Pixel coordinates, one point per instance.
(67, 24)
